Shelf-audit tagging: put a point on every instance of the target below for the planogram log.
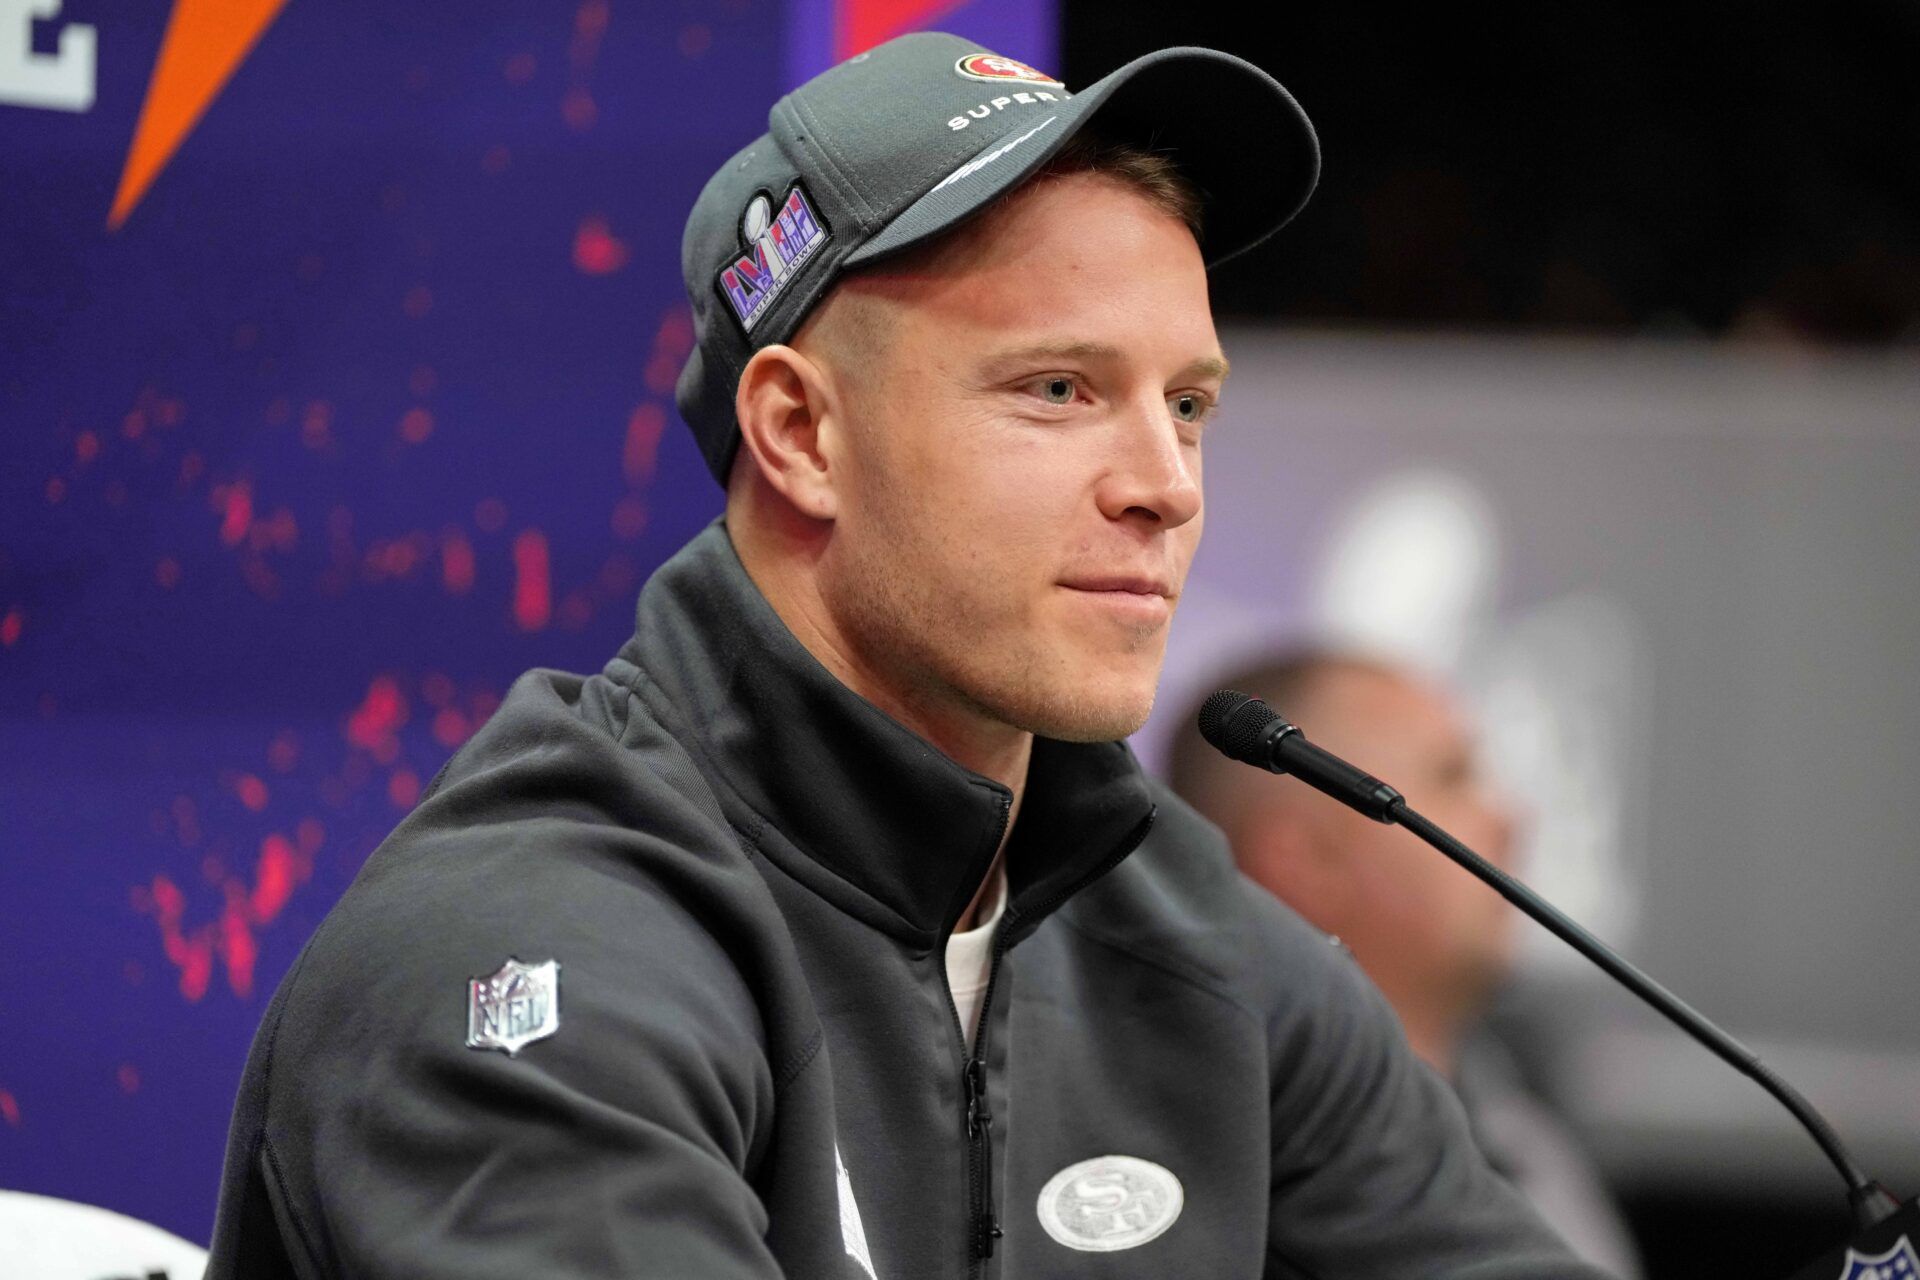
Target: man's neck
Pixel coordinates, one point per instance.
(976, 742)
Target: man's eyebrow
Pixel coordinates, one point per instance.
(1045, 352)
(1215, 367)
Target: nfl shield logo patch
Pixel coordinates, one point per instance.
(514, 1007)
(1897, 1263)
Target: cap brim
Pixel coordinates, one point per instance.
(1236, 134)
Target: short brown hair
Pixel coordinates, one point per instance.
(1150, 173)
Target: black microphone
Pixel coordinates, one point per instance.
(1252, 732)
(1247, 729)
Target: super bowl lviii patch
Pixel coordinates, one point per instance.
(774, 244)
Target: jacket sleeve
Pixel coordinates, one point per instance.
(620, 1145)
(1375, 1173)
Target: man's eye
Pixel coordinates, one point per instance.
(1189, 407)
(1057, 390)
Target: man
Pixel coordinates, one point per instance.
(830, 930)
(1436, 941)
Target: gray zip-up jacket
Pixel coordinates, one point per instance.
(748, 1062)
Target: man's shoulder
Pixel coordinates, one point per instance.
(1180, 901)
(566, 831)
(571, 803)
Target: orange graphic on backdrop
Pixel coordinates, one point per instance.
(205, 43)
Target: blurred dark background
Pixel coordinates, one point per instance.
(1741, 170)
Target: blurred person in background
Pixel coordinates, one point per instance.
(1437, 942)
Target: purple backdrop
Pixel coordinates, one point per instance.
(360, 406)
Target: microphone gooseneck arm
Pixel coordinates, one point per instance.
(1250, 731)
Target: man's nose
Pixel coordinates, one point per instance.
(1152, 471)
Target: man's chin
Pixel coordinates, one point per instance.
(1087, 716)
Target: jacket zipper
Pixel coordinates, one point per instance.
(974, 1109)
(973, 1074)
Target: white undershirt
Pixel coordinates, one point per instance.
(970, 955)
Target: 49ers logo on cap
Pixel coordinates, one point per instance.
(995, 69)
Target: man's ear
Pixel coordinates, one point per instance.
(781, 404)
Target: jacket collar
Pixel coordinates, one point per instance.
(904, 833)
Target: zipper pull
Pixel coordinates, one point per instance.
(986, 1228)
(985, 1231)
(974, 1082)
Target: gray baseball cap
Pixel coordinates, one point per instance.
(905, 141)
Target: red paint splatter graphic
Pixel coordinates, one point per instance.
(235, 503)
(403, 788)
(283, 753)
(637, 458)
(450, 728)
(590, 21)
(629, 518)
(532, 589)
(579, 110)
(316, 425)
(671, 343)
(374, 726)
(280, 867)
(596, 250)
(254, 893)
(186, 821)
(397, 557)
(129, 1077)
(252, 792)
(576, 611)
(193, 957)
(416, 425)
(577, 107)
(9, 1108)
(456, 562)
(10, 628)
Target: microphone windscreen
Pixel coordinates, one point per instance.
(1233, 723)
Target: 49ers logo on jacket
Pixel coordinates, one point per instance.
(1109, 1203)
(775, 244)
(995, 69)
